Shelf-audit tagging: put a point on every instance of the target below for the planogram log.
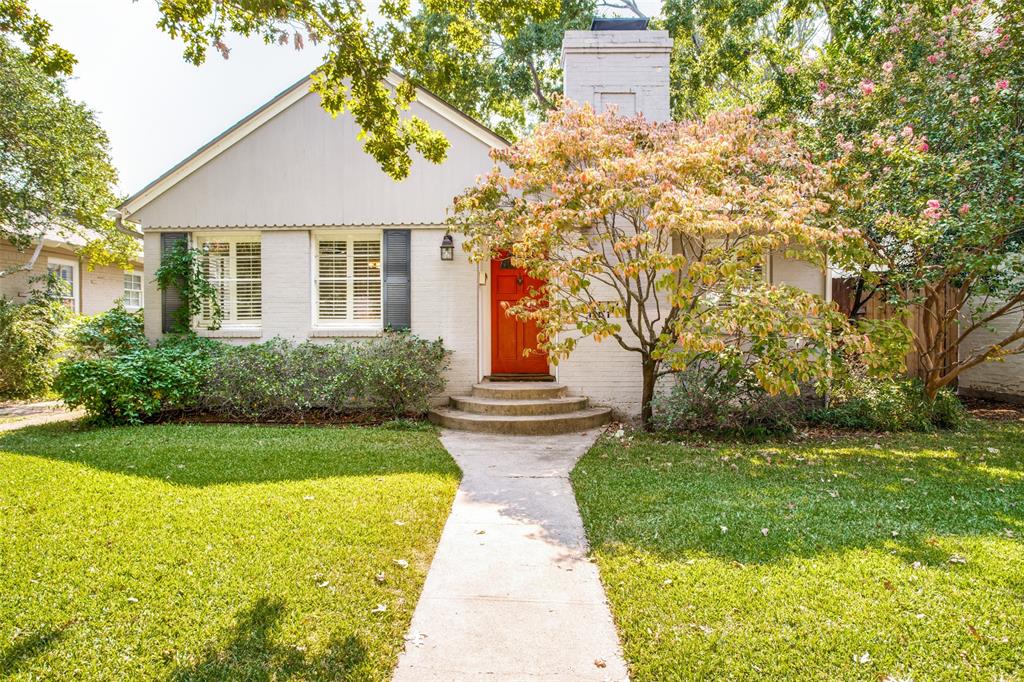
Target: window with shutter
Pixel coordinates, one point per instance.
(233, 265)
(348, 279)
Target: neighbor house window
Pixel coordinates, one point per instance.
(67, 272)
(132, 290)
(234, 267)
(347, 282)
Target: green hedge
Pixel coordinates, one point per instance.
(391, 376)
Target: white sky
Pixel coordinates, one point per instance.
(156, 107)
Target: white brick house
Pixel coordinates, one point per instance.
(313, 241)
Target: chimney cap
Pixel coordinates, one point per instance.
(619, 24)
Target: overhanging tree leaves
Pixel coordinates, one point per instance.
(16, 19)
(653, 236)
(55, 171)
(361, 53)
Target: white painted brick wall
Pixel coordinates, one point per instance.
(444, 305)
(615, 62)
(996, 378)
(151, 293)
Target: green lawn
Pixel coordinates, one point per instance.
(214, 552)
(888, 557)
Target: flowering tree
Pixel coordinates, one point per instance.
(929, 138)
(653, 236)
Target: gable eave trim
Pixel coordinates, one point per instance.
(268, 111)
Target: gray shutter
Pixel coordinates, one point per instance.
(397, 290)
(170, 298)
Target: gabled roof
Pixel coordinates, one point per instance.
(275, 106)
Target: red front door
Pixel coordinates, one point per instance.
(510, 337)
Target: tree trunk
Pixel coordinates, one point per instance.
(650, 373)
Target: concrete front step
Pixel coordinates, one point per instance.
(521, 390)
(512, 408)
(522, 425)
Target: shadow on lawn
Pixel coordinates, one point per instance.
(838, 498)
(25, 648)
(195, 455)
(251, 653)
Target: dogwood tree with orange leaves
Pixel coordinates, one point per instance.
(654, 236)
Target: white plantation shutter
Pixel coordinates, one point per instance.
(332, 282)
(248, 282)
(348, 284)
(366, 280)
(234, 267)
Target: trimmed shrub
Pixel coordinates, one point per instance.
(388, 377)
(132, 386)
(30, 345)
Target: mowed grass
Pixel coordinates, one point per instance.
(214, 552)
(860, 559)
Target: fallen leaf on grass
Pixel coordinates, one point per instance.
(379, 608)
(401, 563)
(863, 659)
(957, 559)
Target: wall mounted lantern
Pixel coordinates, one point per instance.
(447, 247)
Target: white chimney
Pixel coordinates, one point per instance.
(614, 64)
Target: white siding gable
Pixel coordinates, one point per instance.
(304, 168)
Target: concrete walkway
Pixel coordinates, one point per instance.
(510, 594)
(21, 415)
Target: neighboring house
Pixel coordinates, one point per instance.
(89, 291)
(309, 239)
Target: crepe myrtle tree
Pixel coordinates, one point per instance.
(654, 236)
(928, 136)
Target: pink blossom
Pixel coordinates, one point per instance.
(907, 132)
(986, 50)
(975, 99)
(956, 10)
(933, 59)
(934, 203)
(822, 87)
(923, 147)
(964, 209)
(1002, 84)
(951, 76)
(867, 87)
(941, 42)
(887, 67)
(934, 210)
(790, 69)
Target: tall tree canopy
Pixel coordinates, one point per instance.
(55, 170)
(361, 53)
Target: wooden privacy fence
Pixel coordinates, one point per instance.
(844, 289)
